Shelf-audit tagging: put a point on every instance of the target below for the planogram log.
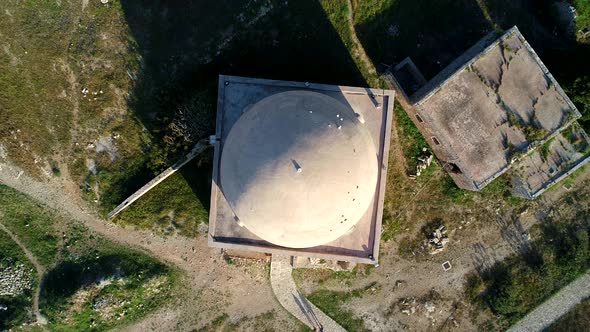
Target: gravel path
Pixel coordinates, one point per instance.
(40, 273)
(555, 307)
(291, 298)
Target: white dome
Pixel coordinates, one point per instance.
(298, 169)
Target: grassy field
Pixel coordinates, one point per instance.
(178, 204)
(410, 139)
(90, 282)
(583, 12)
(12, 256)
(559, 253)
(32, 223)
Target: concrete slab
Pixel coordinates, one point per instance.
(236, 95)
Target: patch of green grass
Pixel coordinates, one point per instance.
(450, 189)
(534, 133)
(179, 203)
(32, 223)
(263, 322)
(583, 12)
(137, 285)
(216, 324)
(501, 189)
(34, 116)
(544, 149)
(330, 302)
(579, 92)
(411, 140)
(19, 306)
(324, 275)
(337, 12)
(391, 226)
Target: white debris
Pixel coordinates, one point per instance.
(438, 240)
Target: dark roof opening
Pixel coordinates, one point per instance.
(453, 168)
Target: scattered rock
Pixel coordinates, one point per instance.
(14, 280)
(438, 240)
(106, 144)
(429, 306)
(91, 166)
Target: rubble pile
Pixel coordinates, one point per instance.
(438, 239)
(408, 305)
(423, 162)
(15, 279)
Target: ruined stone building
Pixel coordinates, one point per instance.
(495, 109)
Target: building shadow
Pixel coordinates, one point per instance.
(432, 33)
(548, 32)
(183, 46)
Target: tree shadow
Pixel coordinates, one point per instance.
(432, 33)
(181, 49)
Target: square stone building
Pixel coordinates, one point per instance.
(300, 168)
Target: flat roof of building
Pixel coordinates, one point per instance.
(375, 107)
(498, 104)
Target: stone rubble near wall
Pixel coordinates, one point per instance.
(423, 163)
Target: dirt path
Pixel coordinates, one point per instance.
(558, 305)
(40, 273)
(368, 64)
